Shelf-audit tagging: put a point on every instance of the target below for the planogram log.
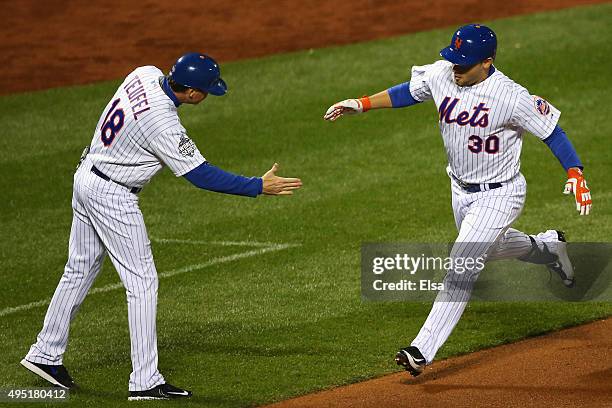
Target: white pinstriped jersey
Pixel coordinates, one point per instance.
(482, 125)
(140, 131)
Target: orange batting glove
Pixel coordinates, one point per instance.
(577, 184)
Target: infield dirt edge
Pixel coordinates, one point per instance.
(531, 372)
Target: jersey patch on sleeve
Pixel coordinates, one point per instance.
(541, 105)
(186, 146)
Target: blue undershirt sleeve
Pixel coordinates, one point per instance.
(212, 178)
(401, 96)
(562, 148)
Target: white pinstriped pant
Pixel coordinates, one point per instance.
(106, 219)
(483, 220)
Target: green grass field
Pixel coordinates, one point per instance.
(245, 328)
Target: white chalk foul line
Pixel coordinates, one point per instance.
(215, 261)
(217, 243)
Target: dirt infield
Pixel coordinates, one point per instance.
(569, 368)
(54, 43)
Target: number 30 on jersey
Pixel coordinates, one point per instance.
(489, 145)
(113, 122)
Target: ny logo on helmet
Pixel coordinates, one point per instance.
(458, 42)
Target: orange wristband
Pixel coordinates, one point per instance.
(365, 103)
(574, 172)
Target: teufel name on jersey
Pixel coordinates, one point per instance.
(137, 96)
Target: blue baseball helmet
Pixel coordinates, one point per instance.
(471, 44)
(199, 71)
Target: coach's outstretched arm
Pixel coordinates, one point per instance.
(209, 177)
(395, 97)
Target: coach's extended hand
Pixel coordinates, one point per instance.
(275, 185)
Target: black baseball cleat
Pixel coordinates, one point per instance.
(55, 374)
(562, 266)
(161, 392)
(411, 359)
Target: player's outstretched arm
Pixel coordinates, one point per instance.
(275, 185)
(395, 97)
(361, 105)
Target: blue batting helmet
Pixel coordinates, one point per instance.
(199, 71)
(471, 44)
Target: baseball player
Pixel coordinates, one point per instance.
(139, 132)
(482, 115)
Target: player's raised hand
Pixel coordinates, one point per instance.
(346, 107)
(275, 185)
(577, 185)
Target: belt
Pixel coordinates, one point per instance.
(97, 172)
(476, 188)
